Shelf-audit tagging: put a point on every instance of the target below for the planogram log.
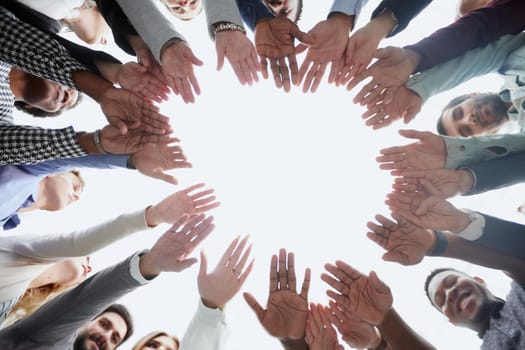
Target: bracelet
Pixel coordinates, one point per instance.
(98, 144)
(441, 244)
(225, 26)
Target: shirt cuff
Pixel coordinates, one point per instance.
(209, 315)
(348, 7)
(134, 268)
(474, 230)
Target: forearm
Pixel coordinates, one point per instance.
(29, 145)
(475, 29)
(207, 330)
(109, 70)
(452, 73)
(151, 24)
(93, 85)
(402, 10)
(82, 242)
(464, 151)
(399, 335)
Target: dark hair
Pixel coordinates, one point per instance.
(123, 312)
(37, 112)
(434, 273)
(299, 11)
(452, 103)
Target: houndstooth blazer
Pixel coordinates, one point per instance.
(33, 51)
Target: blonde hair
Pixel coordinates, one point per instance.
(142, 342)
(32, 300)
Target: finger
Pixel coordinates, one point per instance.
(186, 92)
(311, 331)
(285, 74)
(356, 78)
(300, 48)
(246, 273)
(316, 317)
(291, 272)
(203, 268)
(276, 73)
(227, 254)
(237, 69)
(309, 77)
(254, 305)
(187, 190)
(306, 284)
(414, 134)
(240, 265)
(186, 263)
(234, 259)
(301, 36)
(273, 274)
(378, 239)
(335, 68)
(294, 69)
(203, 231)
(430, 188)
(164, 177)
(283, 272)
(204, 208)
(365, 90)
(318, 77)
(305, 66)
(372, 95)
(264, 67)
(200, 195)
(389, 224)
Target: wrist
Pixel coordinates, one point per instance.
(170, 43)
(461, 223)
(151, 216)
(224, 26)
(147, 266)
(383, 24)
(466, 180)
(413, 58)
(86, 141)
(439, 245)
(342, 19)
(211, 305)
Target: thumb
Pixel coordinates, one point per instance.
(381, 53)
(380, 285)
(184, 264)
(430, 187)
(393, 257)
(203, 269)
(254, 305)
(300, 48)
(164, 177)
(425, 206)
(413, 134)
(195, 60)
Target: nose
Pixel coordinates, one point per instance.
(451, 295)
(472, 118)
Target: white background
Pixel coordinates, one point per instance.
(292, 170)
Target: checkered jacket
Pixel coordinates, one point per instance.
(35, 52)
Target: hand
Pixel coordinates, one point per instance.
(287, 311)
(358, 334)
(432, 213)
(366, 298)
(320, 334)
(330, 39)
(134, 141)
(274, 40)
(404, 242)
(171, 250)
(138, 79)
(125, 110)
(145, 57)
(428, 153)
(219, 286)
(239, 50)
(177, 65)
(394, 104)
(181, 203)
(392, 68)
(443, 183)
(154, 160)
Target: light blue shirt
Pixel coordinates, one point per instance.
(506, 56)
(19, 183)
(348, 7)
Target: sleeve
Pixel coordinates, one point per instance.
(74, 308)
(348, 7)
(28, 145)
(497, 173)
(207, 330)
(403, 10)
(151, 23)
(504, 236)
(462, 151)
(34, 51)
(475, 29)
(53, 247)
(221, 10)
(97, 161)
(252, 11)
(450, 74)
(118, 22)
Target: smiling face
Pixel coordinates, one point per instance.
(462, 299)
(105, 332)
(184, 9)
(286, 8)
(477, 115)
(47, 95)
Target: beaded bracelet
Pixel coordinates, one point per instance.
(226, 26)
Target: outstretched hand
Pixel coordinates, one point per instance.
(287, 311)
(127, 111)
(320, 334)
(135, 77)
(113, 141)
(240, 52)
(274, 42)
(182, 203)
(404, 242)
(177, 65)
(218, 287)
(365, 297)
(330, 37)
(155, 159)
(427, 153)
(356, 333)
(443, 183)
(171, 251)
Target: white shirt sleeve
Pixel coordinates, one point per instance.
(348, 7)
(207, 330)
